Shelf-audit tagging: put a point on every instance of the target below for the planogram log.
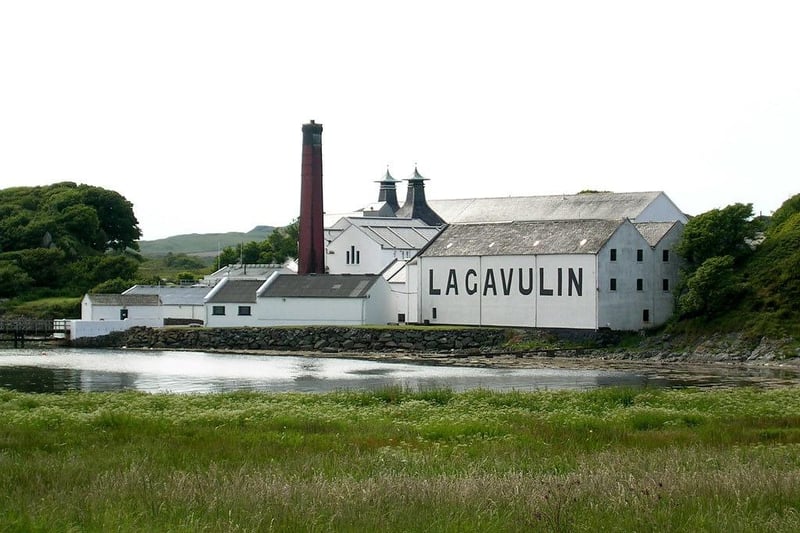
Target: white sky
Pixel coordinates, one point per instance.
(192, 110)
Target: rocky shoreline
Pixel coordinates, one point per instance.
(473, 347)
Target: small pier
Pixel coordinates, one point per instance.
(21, 330)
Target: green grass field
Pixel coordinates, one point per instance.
(395, 460)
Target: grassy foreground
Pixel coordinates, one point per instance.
(394, 460)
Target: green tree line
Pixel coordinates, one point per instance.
(742, 271)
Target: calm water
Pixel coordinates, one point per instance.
(57, 370)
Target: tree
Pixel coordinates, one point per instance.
(787, 209)
(711, 289)
(117, 221)
(112, 286)
(717, 233)
(13, 280)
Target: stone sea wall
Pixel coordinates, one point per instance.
(330, 339)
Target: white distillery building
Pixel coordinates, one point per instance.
(576, 274)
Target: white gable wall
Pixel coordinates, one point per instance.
(662, 209)
(624, 307)
(669, 270)
(354, 252)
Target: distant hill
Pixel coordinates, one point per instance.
(202, 244)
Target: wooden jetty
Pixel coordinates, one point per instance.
(18, 330)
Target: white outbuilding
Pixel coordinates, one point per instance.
(324, 299)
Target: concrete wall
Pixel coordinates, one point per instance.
(196, 312)
(95, 328)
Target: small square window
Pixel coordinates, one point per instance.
(244, 310)
(612, 284)
(665, 284)
(640, 284)
(613, 254)
(665, 255)
(218, 310)
(640, 255)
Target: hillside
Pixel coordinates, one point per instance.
(201, 244)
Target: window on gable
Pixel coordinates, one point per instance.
(353, 256)
(218, 310)
(613, 254)
(612, 284)
(665, 284)
(640, 284)
(640, 255)
(244, 310)
(665, 255)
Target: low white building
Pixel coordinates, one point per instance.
(180, 304)
(324, 299)
(232, 302)
(121, 307)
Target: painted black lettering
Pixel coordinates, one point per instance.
(560, 281)
(471, 287)
(529, 289)
(542, 290)
(489, 283)
(452, 282)
(575, 281)
(506, 282)
(431, 290)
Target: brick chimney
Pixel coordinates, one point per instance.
(311, 255)
(415, 205)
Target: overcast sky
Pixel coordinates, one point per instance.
(192, 110)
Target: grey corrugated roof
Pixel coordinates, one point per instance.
(236, 291)
(654, 231)
(601, 205)
(172, 295)
(253, 270)
(399, 238)
(124, 300)
(523, 238)
(395, 233)
(320, 286)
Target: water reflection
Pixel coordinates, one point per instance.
(61, 370)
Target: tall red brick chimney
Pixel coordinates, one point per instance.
(311, 256)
